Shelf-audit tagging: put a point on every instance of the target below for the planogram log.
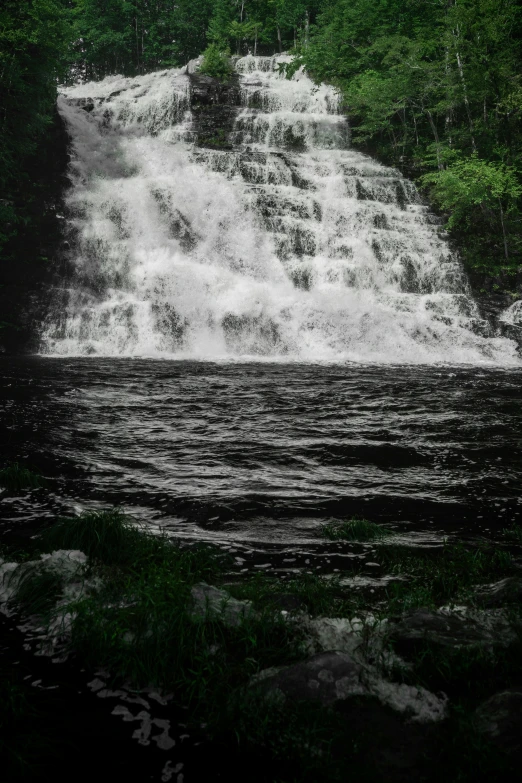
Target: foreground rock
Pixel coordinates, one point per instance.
(334, 676)
(208, 601)
(326, 678)
(507, 591)
(69, 564)
(500, 720)
(448, 629)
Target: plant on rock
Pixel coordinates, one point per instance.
(216, 63)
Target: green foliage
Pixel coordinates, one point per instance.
(135, 36)
(515, 531)
(113, 539)
(434, 88)
(216, 63)
(220, 22)
(473, 190)
(33, 46)
(354, 529)
(308, 592)
(15, 477)
(446, 574)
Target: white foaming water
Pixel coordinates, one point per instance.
(513, 314)
(290, 246)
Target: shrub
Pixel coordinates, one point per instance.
(216, 63)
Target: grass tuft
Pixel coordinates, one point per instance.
(15, 477)
(355, 529)
(445, 575)
(305, 592)
(107, 536)
(515, 531)
(115, 540)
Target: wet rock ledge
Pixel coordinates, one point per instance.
(215, 106)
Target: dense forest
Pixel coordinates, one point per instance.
(434, 88)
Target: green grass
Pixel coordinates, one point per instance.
(315, 594)
(444, 575)
(154, 640)
(15, 477)
(515, 531)
(113, 539)
(429, 578)
(354, 529)
(138, 626)
(106, 536)
(289, 743)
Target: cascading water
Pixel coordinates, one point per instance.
(282, 243)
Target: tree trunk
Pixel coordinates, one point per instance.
(137, 45)
(448, 107)
(464, 89)
(416, 130)
(506, 253)
(279, 40)
(436, 137)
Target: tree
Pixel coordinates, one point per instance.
(473, 185)
(33, 45)
(435, 89)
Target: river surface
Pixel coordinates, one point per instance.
(256, 457)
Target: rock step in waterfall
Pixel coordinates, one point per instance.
(235, 222)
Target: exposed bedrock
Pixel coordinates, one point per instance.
(215, 107)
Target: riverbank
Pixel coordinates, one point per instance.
(297, 680)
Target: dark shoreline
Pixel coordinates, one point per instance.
(315, 596)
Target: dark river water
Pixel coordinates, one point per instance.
(256, 457)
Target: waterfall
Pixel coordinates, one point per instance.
(274, 240)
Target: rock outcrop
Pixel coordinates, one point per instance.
(209, 602)
(499, 719)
